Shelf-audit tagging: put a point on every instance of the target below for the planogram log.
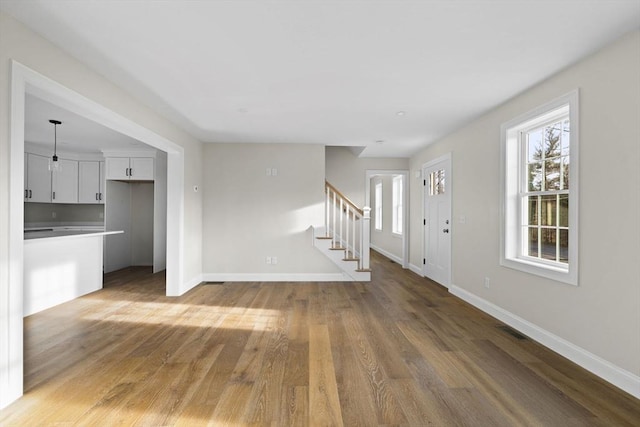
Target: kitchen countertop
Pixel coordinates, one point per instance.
(65, 232)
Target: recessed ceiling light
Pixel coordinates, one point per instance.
(380, 141)
(400, 113)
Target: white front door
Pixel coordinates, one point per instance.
(437, 221)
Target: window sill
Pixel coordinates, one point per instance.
(564, 275)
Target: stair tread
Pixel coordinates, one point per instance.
(363, 270)
(324, 238)
(338, 248)
(351, 259)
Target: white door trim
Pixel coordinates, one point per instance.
(25, 80)
(448, 158)
(405, 200)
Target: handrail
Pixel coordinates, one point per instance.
(345, 198)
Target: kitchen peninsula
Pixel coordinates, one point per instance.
(60, 264)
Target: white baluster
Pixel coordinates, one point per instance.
(327, 213)
(353, 230)
(341, 220)
(333, 231)
(364, 232)
(347, 232)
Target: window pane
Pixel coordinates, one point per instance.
(436, 182)
(552, 174)
(533, 241)
(565, 137)
(535, 176)
(552, 143)
(533, 210)
(441, 182)
(564, 210)
(565, 173)
(534, 150)
(548, 206)
(564, 246)
(548, 237)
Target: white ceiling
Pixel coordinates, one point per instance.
(327, 72)
(75, 134)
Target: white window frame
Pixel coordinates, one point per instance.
(397, 205)
(512, 215)
(378, 206)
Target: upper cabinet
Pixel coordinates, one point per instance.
(130, 168)
(37, 179)
(91, 182)
(64, 184)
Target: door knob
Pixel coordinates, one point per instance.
(446, 230)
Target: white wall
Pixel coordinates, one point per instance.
(384, 240)
(347, 172)
(117, 247)
(22, 45)
(250, 216)
(142, 223)
(602, 314)
(160, 213)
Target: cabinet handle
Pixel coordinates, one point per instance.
(97, 196)
(26, 194)
(130, 172)
(100, 196)
(126, 171)
(54, 195)
(30, 194)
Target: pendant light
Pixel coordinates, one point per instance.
(54, 164)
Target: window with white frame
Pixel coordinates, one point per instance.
(396, 196)
(540, 168)
(378, 206)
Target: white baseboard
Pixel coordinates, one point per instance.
(606, 370)
(416, 269)
(275, 277)
(187, 286)
(387, 254)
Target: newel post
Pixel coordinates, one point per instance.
(365, 234)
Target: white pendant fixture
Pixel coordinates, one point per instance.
(54, 164)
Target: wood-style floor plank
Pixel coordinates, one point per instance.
(399, 350)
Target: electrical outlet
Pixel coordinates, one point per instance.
(487, 282)
(268, 260)
(274, 260)
(274, 172)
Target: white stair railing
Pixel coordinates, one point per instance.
(348, 227)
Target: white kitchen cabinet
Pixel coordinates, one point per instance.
(64, 184)
(130, 168)
(91, 182)
(37, 179)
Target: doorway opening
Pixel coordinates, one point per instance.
(26, 81)
(389, 233)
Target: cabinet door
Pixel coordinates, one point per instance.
(64, 184)
(142, 168)
(117, 168)
(102, 183)
(89, 182)
(38, 182)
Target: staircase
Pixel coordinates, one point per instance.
(344, 238)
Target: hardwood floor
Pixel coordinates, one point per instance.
(397, 351)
